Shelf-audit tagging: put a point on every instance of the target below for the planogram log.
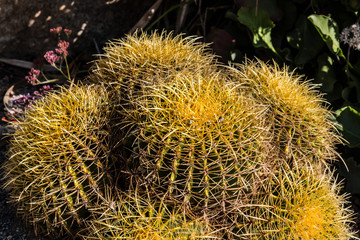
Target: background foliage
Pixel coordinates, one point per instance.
(317, 38)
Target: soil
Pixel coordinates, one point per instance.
(25, 25)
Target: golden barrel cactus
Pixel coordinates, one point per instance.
(58, 158)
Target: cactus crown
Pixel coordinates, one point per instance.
(197, 140)
(140, 56)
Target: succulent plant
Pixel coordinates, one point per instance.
(131, 215)
(300, 122)
(129, 65)
(138, 58)
(296, 204)
(197, 140)
(58, 158)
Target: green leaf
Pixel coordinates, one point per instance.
(306, 39)
(294, 38)
(349, 120)
(328, 31)
(326, 74)
(260, 24)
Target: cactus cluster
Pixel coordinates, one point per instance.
(164, 142)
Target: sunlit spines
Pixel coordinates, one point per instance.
(198, 141)
(58, 158)
(301, 124)
(139, 57)
(132, 215)
(296, 204)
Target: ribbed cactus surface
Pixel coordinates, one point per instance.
(197, 140)
(137, 60)
(131, 215)
(58, 158)
(301, 124)
(296, 204)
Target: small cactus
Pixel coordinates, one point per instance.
(58, 158)
(130, 215)
(296, 204)
(300, 123)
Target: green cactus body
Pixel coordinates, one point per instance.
(134, 216)
(130, 65)
(140, 59)
(58, 158)
(298, 205)
(197, 140)
(301, 125)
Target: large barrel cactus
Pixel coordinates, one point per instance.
(58, 158)
(300, 123)
(197, 140)
(296, 204)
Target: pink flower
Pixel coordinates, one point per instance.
(62, 50)
(33, 76)
(56, 30)
(51, 57)
(67, 32)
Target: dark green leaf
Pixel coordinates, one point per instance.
(349, 120)
(325, 74)
(294, 38)
(328, 31)
(306, 39)
(258, 21)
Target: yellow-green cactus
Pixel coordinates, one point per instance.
(58, 158)
(197, 140)
(298, 205)
(300, 123)
(138, 59)
(130, 215)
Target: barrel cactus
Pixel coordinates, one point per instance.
(129, 65)
(296, 204)
(200, 150)
(300, 123)
(132, 215)
(137, 60)
(198, 141)
(58, 158)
